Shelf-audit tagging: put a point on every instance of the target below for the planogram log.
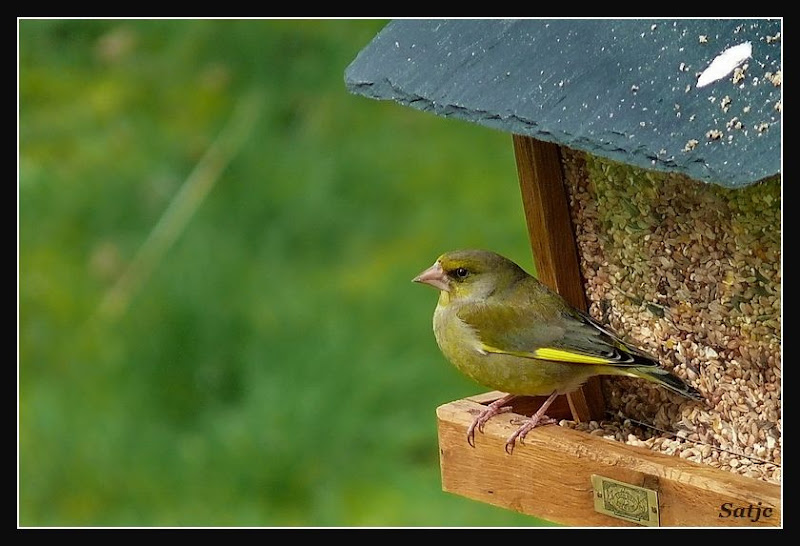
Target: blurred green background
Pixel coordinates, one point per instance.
(274, 366)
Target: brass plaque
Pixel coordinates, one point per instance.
(625, 501)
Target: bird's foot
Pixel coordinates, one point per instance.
(495, 408)
(537, 419)
(530, 424)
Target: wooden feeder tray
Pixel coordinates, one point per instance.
(550, 475)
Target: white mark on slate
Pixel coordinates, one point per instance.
(724, 63)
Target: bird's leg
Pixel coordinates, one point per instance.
(537, 419)
(495, 408)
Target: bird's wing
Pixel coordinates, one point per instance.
(556, 333)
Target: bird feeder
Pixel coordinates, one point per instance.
(648, 155)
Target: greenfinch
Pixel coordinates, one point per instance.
(507, 331)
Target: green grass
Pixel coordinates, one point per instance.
(276, 366)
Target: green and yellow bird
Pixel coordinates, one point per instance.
(507, 331)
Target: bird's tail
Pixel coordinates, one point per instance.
(666, 380)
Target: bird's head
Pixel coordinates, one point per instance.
(473, 274)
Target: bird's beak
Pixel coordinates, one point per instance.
(435, 277)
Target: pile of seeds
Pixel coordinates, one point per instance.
(689, 272)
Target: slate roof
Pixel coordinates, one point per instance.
(621, 89)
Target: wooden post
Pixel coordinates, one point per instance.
(553, 244)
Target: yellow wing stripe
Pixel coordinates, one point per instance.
(557, 355)
(566, 356)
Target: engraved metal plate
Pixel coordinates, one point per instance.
(625, 501)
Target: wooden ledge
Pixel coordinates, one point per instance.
(549, 476)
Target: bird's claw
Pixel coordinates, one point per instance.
(480, 421)
(521, 432)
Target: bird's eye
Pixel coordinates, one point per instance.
(461, 273)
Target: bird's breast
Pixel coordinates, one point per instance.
(459, 342)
